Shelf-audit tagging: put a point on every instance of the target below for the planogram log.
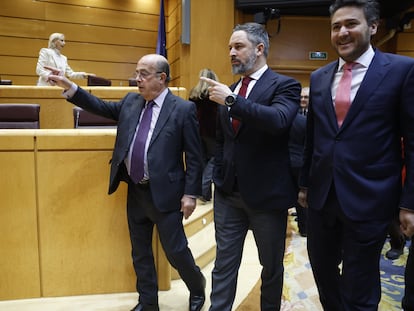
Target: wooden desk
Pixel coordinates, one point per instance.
(60, 233)
(55, 111)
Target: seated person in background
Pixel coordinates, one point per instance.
(297, 138)
(52, 57)
(304, 101)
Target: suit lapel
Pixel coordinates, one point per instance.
(166, 110)
(135, 110)
(373, 77)
(266, 81)
(325, 79)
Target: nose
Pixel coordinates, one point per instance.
(343, 30)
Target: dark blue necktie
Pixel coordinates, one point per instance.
(138, 151)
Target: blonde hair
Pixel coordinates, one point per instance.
(53, 38)
(200, 91)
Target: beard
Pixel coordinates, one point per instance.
(246, 67)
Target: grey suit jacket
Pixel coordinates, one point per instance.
(174, 154)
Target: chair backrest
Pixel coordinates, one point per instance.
(19, 116)
(86, 119)
(132, 82)
(98, 81)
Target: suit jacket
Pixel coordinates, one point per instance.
(176, 132)
(297, 140)
(363, 157)
(49, 57)
(258, 154)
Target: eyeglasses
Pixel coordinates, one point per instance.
(144, 75)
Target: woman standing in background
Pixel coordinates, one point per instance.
(206, 113)
(52, 57)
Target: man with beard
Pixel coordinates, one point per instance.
(360, 106)
(253, 184)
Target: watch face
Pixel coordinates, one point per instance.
(230, 100)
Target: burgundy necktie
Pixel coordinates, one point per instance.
(242, 92)
(137, 157)
(343, 93)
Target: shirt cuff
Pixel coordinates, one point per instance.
(68, 94)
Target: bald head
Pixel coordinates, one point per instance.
(153, 75)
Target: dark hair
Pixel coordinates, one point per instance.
(371, 8)
(163, 66)
(256, 34)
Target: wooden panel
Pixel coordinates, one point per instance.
(76, 139)
(8, 141)
(405, 41)
(145, 6)
(136, 16)
(209, 40)
(103, 17)
(407, 53)
(55, 111)
(292, 45)
(11, 46)
(109, 70)
(103, 37)
(82, 231)
(23, 9)
(19, 260)
(27, 28)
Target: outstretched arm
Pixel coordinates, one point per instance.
(56, 79)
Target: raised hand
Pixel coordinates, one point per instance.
(217, 91)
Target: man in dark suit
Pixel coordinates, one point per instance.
(253, 184)
(297, 137)
(352, 169)
(167, 191)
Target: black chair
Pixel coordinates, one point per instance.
(98, 81)
(19, 116)
(86, 119)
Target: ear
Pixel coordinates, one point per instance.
(163, 76)
(259, 49)
(373, 28)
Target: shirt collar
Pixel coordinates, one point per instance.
(258, 73)
(159, 100)
(364, 60)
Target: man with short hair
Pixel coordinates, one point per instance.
(359, 108)
(160, 189)
(254, 187)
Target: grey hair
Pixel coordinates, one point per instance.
(256, 34)
(53, 38)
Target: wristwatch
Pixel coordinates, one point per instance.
(230, 100)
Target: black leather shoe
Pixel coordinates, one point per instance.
(197, 301)
(141, 307)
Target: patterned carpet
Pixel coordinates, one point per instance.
(300, 293)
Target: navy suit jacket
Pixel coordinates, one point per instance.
(363, 157)
(176, 132)
(258, 154)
